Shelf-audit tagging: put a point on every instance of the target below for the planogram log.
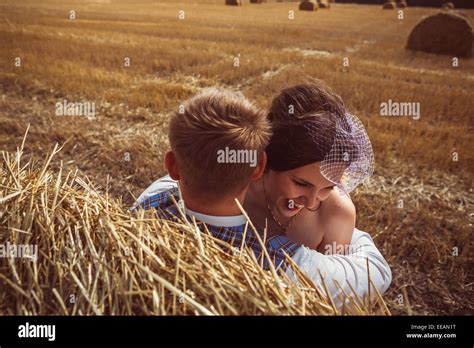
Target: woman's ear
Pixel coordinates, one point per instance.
(260, 168)
(172, 165)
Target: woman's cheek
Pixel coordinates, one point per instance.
(325, 194)
(288, 192)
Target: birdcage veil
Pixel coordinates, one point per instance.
(349, 159)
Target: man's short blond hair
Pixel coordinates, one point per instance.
(207, 124)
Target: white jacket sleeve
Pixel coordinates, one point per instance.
(346, 269)
(162, 184)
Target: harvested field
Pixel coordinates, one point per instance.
(137, 61)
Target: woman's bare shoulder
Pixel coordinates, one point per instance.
(338, 215)
(338, 204)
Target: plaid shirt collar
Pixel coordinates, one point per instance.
(277, 247)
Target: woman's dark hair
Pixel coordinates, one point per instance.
(303, 119)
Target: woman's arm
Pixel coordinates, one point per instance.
(348, 270)
(164, 183)
(337, 219)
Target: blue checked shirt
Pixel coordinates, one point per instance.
(350, 271)
(277, 246)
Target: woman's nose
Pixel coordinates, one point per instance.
(312, 201)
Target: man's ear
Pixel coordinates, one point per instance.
(171, 165)
(260, 168)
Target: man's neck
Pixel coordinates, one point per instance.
(223, 207)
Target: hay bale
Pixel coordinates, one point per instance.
(324, 4)
(233, 2)
(390, 5)
(462, 14)
(447, 6)
(402, 4)
(257, 1)
(87, 244)
(308, 6)
(443, 33)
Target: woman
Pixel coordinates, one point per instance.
(316, 146)
(318, 153)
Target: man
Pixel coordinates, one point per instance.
(217, 148)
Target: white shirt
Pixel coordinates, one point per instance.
(166, 183)
(348, 270)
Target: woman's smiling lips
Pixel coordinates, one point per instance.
(293, 206)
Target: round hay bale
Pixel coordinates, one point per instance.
(447, 6)
(324, 4)
(233, 2)
(443, 33)
(461, 13)
(402, 4)
(308, 6)
(389, 5)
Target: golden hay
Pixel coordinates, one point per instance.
(448, 6)
(443, 33)
(324, 4)
(95, 258)
(402, 4)
(390, 5)
(233, 2)
(417, 241)
(308, 6)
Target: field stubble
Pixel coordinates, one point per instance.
(417, 206)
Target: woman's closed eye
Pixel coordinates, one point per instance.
(302, 184)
